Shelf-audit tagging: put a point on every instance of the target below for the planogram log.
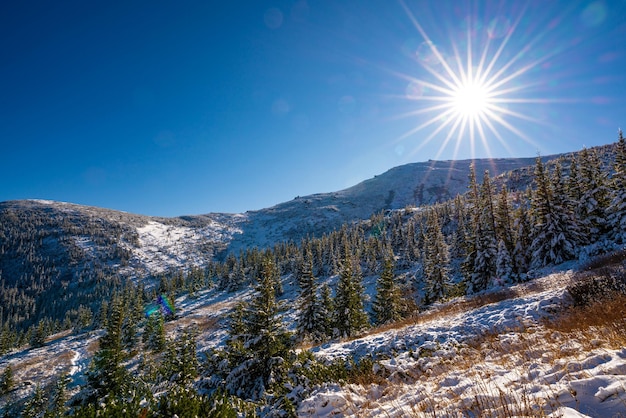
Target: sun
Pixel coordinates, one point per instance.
(470, 99)
(467, 93)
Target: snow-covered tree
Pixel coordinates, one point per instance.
(436, 261)
(504, 265)
(486, 246)
(6, 380)
(556, 233)
(387, 305)
(263, 344)
(310, 322)
(350, 317)
(596, 195)
(617, 208)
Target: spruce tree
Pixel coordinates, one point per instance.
(327, 308)
(436, 261)
(59, 397)
(617, 208)
(350, 316)
(596, 195)
(107, 374)
(485, 240)
(387, 305)
(7, 383)
(504, 266)
(38, 337)
(35, 406)
(309, 321)
(264, 345)
(556, 233)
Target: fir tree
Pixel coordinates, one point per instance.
(504, 265)
(38, 337)
(35, 406)
(59, 398)
(436, 261)
(595, 199)
(617, 208)
(107, 375)
(350, 316)
(523, 239)
(309, 322)
(387, 305)
(7, 382)
(486, 246)
(471, 232)
(154, 332)
(555, 234)
(327, 307)
(263, 345)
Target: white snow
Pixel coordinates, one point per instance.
(163, 247)
(443, 367)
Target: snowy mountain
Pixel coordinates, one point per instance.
(84, 240)
(499, 304)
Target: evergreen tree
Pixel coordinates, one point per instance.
(387, 305)
(523, 239)
(59, 398)
(264, 343)
(471, 231)
(486, 246)
(504, 265)
(617, 209)
(154, 332)
(350, 316)
(556, 233)
(595, 199)
(107, 374)
(309, 322)
(327, 307)
(181, 359)
(38, 337)
(35, 406)
(436, 261)
(7, 383)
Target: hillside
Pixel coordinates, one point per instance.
(192, 316)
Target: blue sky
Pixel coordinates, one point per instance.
(173, 108)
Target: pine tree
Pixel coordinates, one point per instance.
(617, 208)
(436, 261)
(309, 322)
(387, 305)
(350, 317)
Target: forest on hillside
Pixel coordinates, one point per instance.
(489, 237)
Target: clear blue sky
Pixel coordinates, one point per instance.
(170, 108)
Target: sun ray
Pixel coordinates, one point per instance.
(470, 93)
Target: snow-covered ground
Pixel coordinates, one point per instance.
(494, 360)
(498, 359)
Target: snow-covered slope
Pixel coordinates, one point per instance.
(493, 359)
